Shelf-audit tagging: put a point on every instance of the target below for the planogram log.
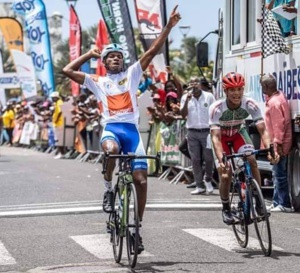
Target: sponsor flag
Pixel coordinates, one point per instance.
(101, 41)
(25, 71)
(74, 44)
(117, 19)
(272, 39)
(36, 26)
(151, 17)
(12, 32)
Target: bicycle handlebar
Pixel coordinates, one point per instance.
(249, 153)
(130, 157)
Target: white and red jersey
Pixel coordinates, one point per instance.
(230, 121)
(117, 94)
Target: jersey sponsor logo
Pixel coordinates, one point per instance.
(122, 81)
(119, 104)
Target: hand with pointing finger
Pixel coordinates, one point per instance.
(174, 18)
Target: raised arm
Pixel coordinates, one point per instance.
(160, 40)
(72, 69)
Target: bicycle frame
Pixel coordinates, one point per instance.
(124, 221)
(252, 209)
(123, 186)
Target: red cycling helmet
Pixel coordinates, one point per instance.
(233, 80)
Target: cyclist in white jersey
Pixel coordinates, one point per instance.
(117, 97)
(226, 119)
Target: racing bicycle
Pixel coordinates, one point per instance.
(124, 221)
(247, 202)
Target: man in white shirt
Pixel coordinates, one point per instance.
(116, 94)
(194, 107)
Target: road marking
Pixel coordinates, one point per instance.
(5, 257)
(225, 239)
(35, 211)
(99, 245)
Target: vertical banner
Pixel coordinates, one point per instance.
(36, 26)
(25, 71)
(170, 154)
(12, 32)
(74, 44)
(151, 17)
(101, 42)
(117, 19)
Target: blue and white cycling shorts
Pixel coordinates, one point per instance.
(129, 140)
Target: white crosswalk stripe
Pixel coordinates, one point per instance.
(5, 257)
(225, 239)
(99, 245)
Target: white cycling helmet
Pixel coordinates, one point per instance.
(112, 48)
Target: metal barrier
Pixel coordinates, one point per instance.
(93, 147)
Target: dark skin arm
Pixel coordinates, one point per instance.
(184, 110)
(71, 70)
(176, 81)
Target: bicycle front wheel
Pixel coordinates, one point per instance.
(117, 231)
(240, 228)
(133, 223)
(260, 217)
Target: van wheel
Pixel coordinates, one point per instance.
(294, 177)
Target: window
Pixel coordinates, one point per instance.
(251, 20)
(236, 22)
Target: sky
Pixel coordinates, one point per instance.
(198, 14)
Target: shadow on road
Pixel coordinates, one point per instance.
(276, 254)
(154, 267)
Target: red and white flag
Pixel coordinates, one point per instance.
(101, 41)
(151, 17)
(74, 44)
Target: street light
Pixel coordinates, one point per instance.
(184, 31)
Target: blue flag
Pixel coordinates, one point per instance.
(36, 26)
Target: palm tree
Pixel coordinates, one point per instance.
(177, 61)
(62, 82)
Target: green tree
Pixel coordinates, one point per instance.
(177, 61)
(63, 83)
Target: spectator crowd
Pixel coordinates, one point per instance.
(42, 124)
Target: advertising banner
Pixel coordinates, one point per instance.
(36, 27)
(118, 22)
(170, 154)
(25, 71)
(101, 41)
(151, 20)
(74, 44)
(12, 32)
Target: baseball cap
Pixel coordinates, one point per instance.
(54, 94)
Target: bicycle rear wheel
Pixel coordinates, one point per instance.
(240, 228)
(132, 230)
(116, 232)
(260, 218)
